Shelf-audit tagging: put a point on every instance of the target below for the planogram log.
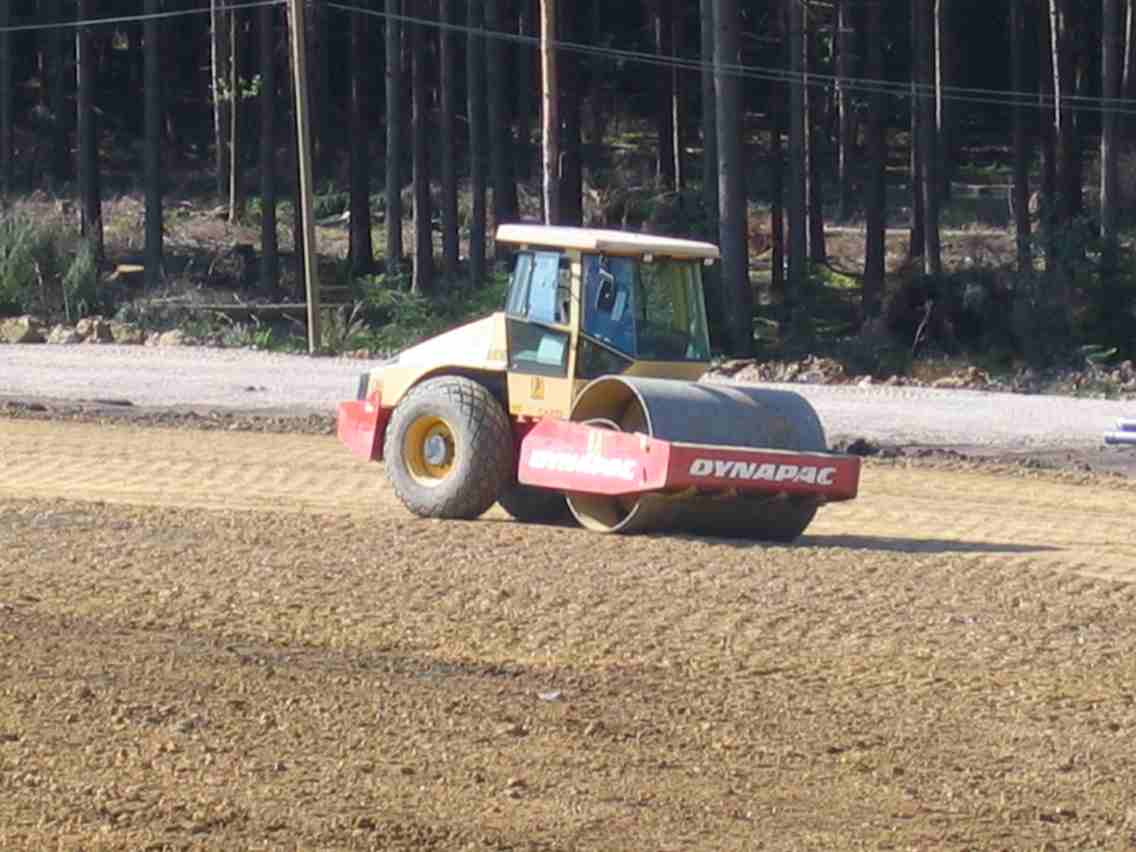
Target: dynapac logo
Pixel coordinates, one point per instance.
(726, 469)
(590, 464)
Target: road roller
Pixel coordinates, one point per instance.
(582, 399)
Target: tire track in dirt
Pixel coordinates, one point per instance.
(975, 518)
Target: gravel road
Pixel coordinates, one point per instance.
(248, 381)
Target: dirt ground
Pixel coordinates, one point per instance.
(229, 640)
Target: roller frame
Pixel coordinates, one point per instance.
(584, 459)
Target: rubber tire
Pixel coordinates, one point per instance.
(483, 456)
(533, 505)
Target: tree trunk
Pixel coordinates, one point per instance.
(738, 297)
(236, 182)
(1110, 89)
(153, 145)
(797, 285)
(1047, 208)
(423, 281)
(269, 249)
(658, 21)
(846, 67)
(500, 136)
(875, 200)
(777, 191)
(944, 48)
(447, 93)
(1063, 107)
(678, 111)
(568, 108)
(709, 127)
(219, 56)
(91, 217)
(596, 73)
(550, 119)
(56, 91)
(393, 159)
(916, 245)
(475, 107)
(7, 173)
(1020, 189)
(814, 101)
(1128, 82)
(527, 27)
(928, 141)
(361, 249)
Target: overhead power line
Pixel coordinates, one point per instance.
(134, 19)
(896, 89)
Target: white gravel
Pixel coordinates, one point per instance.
(244, 380)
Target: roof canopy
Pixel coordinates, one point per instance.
(604, 241)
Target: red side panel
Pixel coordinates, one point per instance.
(360, 426)
(568, 456)
(836, 477)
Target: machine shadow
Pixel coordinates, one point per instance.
(918, 545)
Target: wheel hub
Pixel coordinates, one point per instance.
(429, 450)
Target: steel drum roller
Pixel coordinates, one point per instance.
(697, 413)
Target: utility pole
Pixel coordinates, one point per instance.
(304, 154)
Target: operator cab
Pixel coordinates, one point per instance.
(615, 299)
(585, 303)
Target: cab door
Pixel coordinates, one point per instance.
(538, 330)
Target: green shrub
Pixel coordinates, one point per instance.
(30, 261)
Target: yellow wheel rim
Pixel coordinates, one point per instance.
(429, 450)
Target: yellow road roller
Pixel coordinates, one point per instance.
(582, 398)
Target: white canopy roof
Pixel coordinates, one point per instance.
(604, 241)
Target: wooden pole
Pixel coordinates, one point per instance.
(304, 150)
(550, 121)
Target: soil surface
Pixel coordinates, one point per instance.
(235, 639)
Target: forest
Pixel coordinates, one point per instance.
(944, 175)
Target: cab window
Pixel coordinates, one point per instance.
(535, 304)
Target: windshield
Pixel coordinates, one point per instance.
(650, 311)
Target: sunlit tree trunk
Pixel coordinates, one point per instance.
(393, 159)
(236, 182)
(219, 81)
(550, 117)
